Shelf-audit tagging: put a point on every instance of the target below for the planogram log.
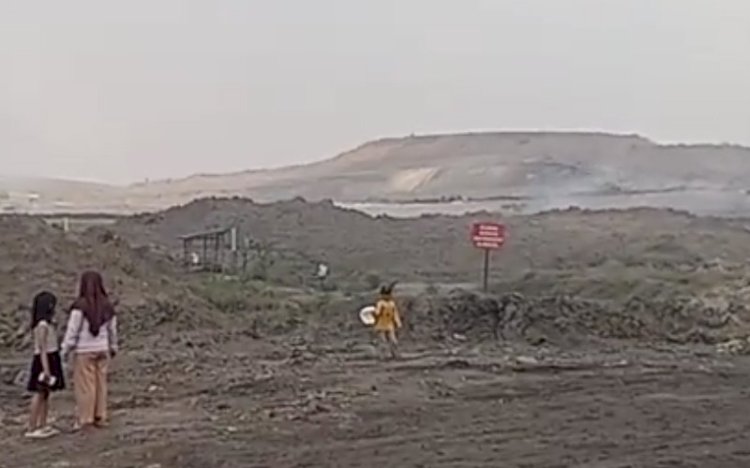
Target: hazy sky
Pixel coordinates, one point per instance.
(126, 90)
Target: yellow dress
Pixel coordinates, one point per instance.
(387, 317)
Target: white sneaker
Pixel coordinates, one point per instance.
(36, 434)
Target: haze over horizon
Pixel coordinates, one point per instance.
(162, 89)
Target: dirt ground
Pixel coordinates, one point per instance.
(258, 403)
(608, 339)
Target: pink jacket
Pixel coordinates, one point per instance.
(78, 337)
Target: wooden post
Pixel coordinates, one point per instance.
(234, 249)
(487, 236)
(204, 260)
(485, 278)
(217, 264)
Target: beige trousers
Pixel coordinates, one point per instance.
(90, 387)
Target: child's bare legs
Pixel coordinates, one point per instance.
(390, 342)
(36, 406)
(39, 410)
(44, 410)
(383, 339)
(393, 343)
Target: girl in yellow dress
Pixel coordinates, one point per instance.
(387, 319)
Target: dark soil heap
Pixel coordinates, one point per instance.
(437, 248)
(35, 256)
(565, 320)
(641, 273)
(636, 273)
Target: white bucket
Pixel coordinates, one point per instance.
(367, 315)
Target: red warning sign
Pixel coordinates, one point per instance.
(488, 235)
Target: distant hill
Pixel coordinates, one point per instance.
(541, 169)
(45, 194)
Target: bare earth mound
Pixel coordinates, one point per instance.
(590, 350)
(436, 248)
(653, 275)
(35, 257)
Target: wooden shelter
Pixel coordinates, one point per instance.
(212, 250)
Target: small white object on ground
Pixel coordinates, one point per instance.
(61, 464)
(527, 360)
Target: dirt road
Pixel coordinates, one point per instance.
(257, 403)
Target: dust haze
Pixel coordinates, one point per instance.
(152, 90)
(610, 138)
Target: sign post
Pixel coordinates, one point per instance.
(488, 237)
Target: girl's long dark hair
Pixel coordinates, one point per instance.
(94, 302)
(43, 308)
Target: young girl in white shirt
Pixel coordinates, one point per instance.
(46, 374)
